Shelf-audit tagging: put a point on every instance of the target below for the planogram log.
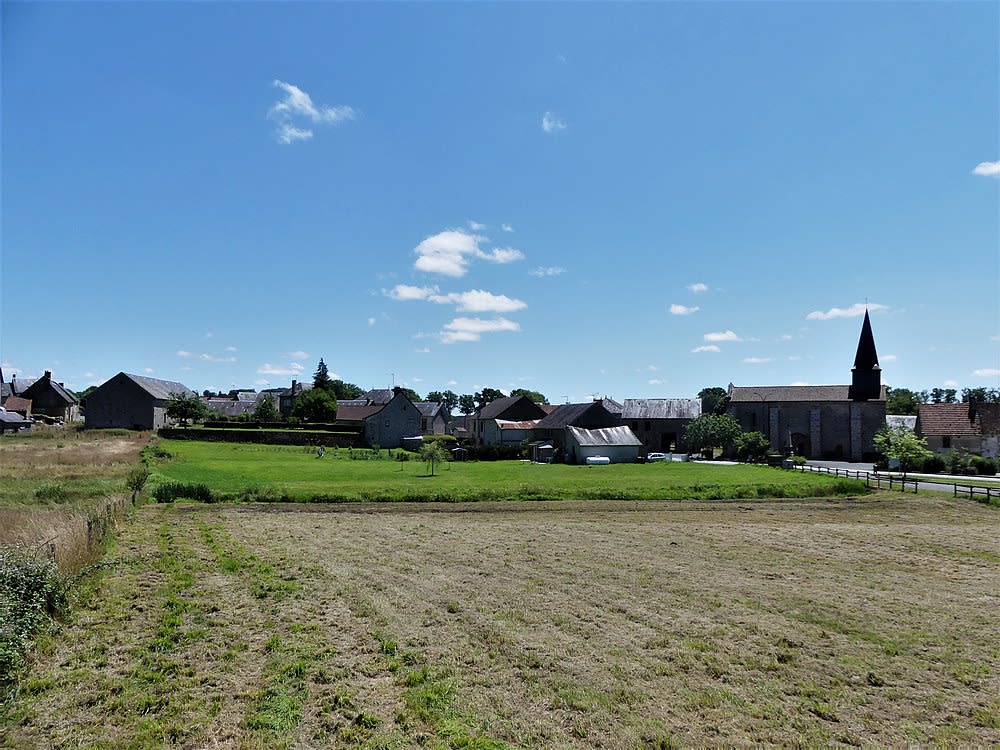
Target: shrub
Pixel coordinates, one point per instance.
(934, 464)
(136, 480)
(32, 592)
(451, 439)
(170, 491)
(51, 491)
(986, 467)
(959, 462)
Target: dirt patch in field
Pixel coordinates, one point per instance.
(547, 625)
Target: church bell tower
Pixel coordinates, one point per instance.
(866, 375)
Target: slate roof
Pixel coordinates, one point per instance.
(229, 407)
(20, 385)
(40, 383)
(494, 408)
(12, 417)
(357, 413)
(946, 420)
(605, 436)
(161, 389)
(566, 414)
(379, 395)
(611, 405)
(428, 408)
(759, 393)
(661, 408)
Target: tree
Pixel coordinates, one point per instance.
(980, 395)
(136, 480)
(903, 445)
(486, 396)
(535, 396)
(186, 407)
(315, 405)
(711, 431)
(752, 447)
(321, 378)
(942, 396)
(902, 401)
(432, 454)
(713, 400)
(265, 410)
(411, 394)
(342, 390)
(449, 399)
(466, 403)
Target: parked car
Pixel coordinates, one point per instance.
(650, 457)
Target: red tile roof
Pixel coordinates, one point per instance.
(946, 419)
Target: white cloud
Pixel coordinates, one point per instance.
(371, 321)
(854, 311)
(262, 381)
(706, 348)
(186, 368)
(951, 383)
(297, 355)
(144, 369)
(231, 349)
(298, 106)
(552, 123)
(408, 292)
(656, 381)
(448, 253)
(183, 354)
(543, 271)
(451, 383)
(794, 358)
(889, 358)
(475, 226)
(268, 369)
(988, 372)
(422, 350)
(213, 358)
(698, 287)
(756, 360)
(995, 338)
(209, 335)
(288, 133)
(477, 300)
(472, 329)
(785, 337)
(988, 169)
(507, 227)
(721, 336)
(683, 310)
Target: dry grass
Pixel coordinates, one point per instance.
(533, 625)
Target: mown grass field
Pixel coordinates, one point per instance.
(295, 473)
(540, 625)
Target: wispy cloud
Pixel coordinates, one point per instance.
(656, 381)
(448, 253)
(231, 349)
(472, 329)
(756, 360)
(987, 372)
(408, 292)
(474, 300)
(854, 311)
(291, 369)
(144, 369)
(950, 384)
(297, 354)
(422, 350)
(995, 338)
(987, 169)
(889, 358)
(683, 310)
(705, 348)
(214, 358)
(544, 271)
(507, 227)
(184, 354)
(371, 322)
(475, 226)
(698, 287)
(297, 107)
(552, 123)
(721, 336)
(785, 337)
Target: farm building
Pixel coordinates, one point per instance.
(819, 421)
(434, 417)
(287, 398)
(974, 427)
(590, 415)
(46, 397)
(484, 425)
(619, 444)
(12, 422)
(132, 402)
(659, 422)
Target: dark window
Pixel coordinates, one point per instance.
(645, 426)
(946, 441)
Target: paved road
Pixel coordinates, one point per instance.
(932, 486)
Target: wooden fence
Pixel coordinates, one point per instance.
(874, 479)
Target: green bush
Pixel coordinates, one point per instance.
(32, 592)
(934, 464)
(51, 491)
(170, 491)
(986, 467)
(450, 439)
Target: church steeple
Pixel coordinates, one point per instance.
(866, 376)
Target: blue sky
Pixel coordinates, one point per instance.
(636, 200)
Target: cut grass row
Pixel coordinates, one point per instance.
(296, 474)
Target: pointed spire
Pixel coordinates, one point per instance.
(867, 357)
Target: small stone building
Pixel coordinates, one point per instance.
(50, 399)
(947, 427)
(385, 424)
(659, 422)
(484, 425)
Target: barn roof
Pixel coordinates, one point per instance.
(360, 413)
(605, 436)
(947, 420)
(566, 414)
(662, 408)
(11, 417)
(39, 384)
(161, 389)
(379, 395)
(429, 408)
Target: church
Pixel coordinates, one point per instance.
(819, 421)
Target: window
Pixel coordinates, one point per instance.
(946, 441)
(645, 426)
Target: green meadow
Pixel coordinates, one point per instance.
(294, 473)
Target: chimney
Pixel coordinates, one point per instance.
(294, 383)
(48, 375)
(396, 390)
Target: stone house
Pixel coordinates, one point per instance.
(659, 422)
(819, 421)
(484, 424)
(132, 402)
(434, 417)
(947, 427)
(51, 399)
(385, 424)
